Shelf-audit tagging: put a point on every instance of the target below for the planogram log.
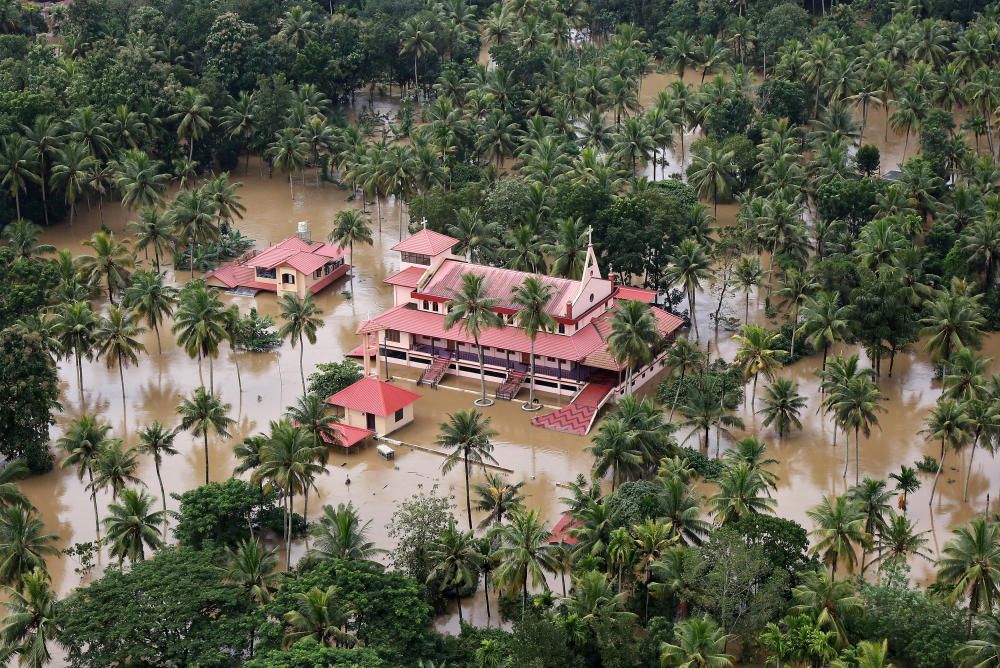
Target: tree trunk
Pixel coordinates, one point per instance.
(205, 435)
(163, 495)
(302, 368)
(938, 474)
(531, 381)
(857, 455)
(93, 497)
(121, 377)
(79, 376)
(468, 494)
(847, 452)
(968, 473)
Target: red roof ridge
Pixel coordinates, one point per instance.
(426, 242)
(371, 395)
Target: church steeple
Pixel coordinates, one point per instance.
(591, 269)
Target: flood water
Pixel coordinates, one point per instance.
(809, 466)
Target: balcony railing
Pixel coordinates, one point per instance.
(578, 373)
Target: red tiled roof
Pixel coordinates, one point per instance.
(500, 283)
(297, 253)
(408, 278)
(426, 242)
(233, 275)
(370, 395)
(349, 435)
(561, 531)
(636, 294)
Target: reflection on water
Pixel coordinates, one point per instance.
(810, 466)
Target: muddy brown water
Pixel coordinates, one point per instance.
(809, 466)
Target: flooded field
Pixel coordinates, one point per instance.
(810, 467)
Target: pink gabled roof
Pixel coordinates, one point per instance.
(370, 395)
(635, 294)
(426, 242)
(234, 275)
(303, 256)
(349, 435)
(408, 278)
(499, 283)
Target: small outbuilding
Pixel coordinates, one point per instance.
(375, 405)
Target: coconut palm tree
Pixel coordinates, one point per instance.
(569, 251)
(984, 650)
(615, 449)
(111, 260)
(202, 413)
(288, 460)
(965, 377)
(471, 309)
(158, 441)
(681, 357)
(24, 545)
(705, 407)
(301, 321)
(899, 541)
(83, 441)
(524, 553)
(797, 288)
(70, 169)
(634, 332)
(497, 498)
(252, 566)
(199, 324)
(115, 468)
(140, 180)
(782, 405)
(340, 534)
(148, 297)
(907, 482)
(153, 231)
(711, 173)
(193, 117)
(23, 238)
(947, 423)
(688, 266)
(18, 167)
(856, 407)
(742, 491)
(319, 616)
(699, 643)
(825, 321)
(132, 524)
(840, 524)
(117, 341)
(532, 298)
(351, 227)
(969, 566)
(10, 494)
(456, 563)
(417, 40)
(242, 119)
(44, 137)
(74, 327)
(829, 601)
(679, 505)
(749, 275)
(874, 498)
(984, 427)
(30, 623)
(467, 434)
(954, 321)
(758, 353)
(288, 154)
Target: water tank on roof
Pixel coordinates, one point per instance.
(302, 230)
